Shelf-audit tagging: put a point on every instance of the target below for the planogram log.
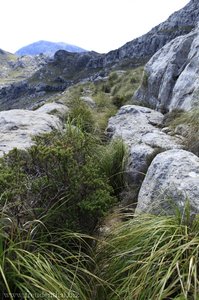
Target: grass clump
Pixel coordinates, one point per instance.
(82, 115)
(151, 257)
(112, 163)
(36, 266)
(124, 85)
(187, 124)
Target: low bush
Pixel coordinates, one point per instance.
(124, 87)
(64, 180)
(118, 101)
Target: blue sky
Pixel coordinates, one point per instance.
(91, 24)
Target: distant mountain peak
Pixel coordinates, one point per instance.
(47, 48)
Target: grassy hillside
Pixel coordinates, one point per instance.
(55, 195)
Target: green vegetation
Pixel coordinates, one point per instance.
(146, 257)
(61, 179)
(188, 124)
(51, 265)
(123, 85)
(151, 257)
(54, 196)
(145, 80)
(60, 185)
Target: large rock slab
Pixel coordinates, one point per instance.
(171, 78)
(17, 127)
(172, 177)
(139, 128)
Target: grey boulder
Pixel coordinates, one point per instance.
(139, 128)
(18, 127)
(172, 178)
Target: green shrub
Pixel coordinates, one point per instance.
(101, 99)
(124, 87)
(64, 181)
(113, 77)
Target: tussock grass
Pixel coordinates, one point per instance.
(124, 85)
(151, 257)
(53, 265)
(112, 163)
(190, 121)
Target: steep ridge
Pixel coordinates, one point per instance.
(141, 49)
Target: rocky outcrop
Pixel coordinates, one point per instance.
(139, 128)
(17, 127)
(89, 101)
(172, 178)
(14, 69)
(171, 76)
(64, 70)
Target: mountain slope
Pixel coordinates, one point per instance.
(141, 49)
(47, 48)
(66, 69)
(14, 69)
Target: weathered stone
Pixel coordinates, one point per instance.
(89, 101)
(182, 130)
(171, 76)
(139, 128)
(137, 162)
(17, 127)
(172, 178)
(54, 108)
